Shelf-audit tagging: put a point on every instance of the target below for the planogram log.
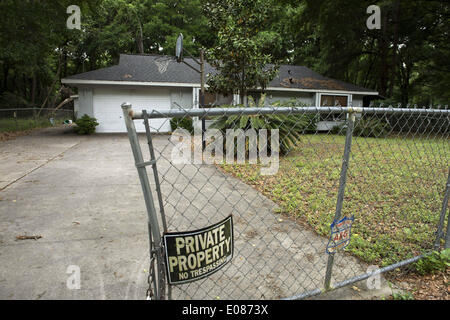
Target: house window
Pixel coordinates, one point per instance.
(332, 101)
(210, 98)
(215, 99)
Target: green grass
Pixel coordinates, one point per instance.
(13, 125)
(435, 262)
(394, 189)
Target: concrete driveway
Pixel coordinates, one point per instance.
(82, 196)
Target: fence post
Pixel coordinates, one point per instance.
(439, 232)
(442, 218)
(151, 212)
(342, 182)
(157, 185)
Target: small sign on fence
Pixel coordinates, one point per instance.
(193, 255)
(340, 234)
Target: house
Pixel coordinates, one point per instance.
(159, 82)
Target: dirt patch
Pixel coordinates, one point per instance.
(4, 136)
(428, 287)
(251, 234)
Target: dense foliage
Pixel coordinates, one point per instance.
(405, 60)
(183, 123)
(436, 261)
(290, 126)
(85, 125)
(238, 54)
(368, 127)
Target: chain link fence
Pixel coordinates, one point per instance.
(312, 210)
(28, 118)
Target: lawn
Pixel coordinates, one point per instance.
(13, 125)
(394, 190)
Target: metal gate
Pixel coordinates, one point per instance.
(313, 211)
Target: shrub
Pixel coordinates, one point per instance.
(184, 123)
(405, 295)
(365, 127)
(370, 127)
(290, 126)
(436, 261)
(9, 100)
(339, 129)
(85, 125)
(310, 119)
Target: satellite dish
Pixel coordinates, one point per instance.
(179, 48)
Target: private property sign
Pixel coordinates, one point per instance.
(193, 255)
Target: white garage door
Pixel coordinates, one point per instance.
(108, 111)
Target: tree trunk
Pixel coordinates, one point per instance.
(140, 37)
(56, 98)
(405, 86)
(25, 82)
(368, 73)
(65, 65)
(395, 47)
(66, 101)
(140, 40)
(404, 68)
(243, 91)
(383, 71)
(33, 89)
(14, 83)
(5, 76)
(52, 86)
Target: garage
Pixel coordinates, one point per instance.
(107, 110)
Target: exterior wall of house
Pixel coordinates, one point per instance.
(307, 98)
(220, 100)
(107, 102)
(181, 97)
(327, 123)
(187, 97)
(76, 103)
(357, 100)
(85, 102)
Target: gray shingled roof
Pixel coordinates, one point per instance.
(157, 68)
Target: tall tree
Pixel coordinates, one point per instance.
(238, 53)
(406, 60)
(331, 37)
(33, 39)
